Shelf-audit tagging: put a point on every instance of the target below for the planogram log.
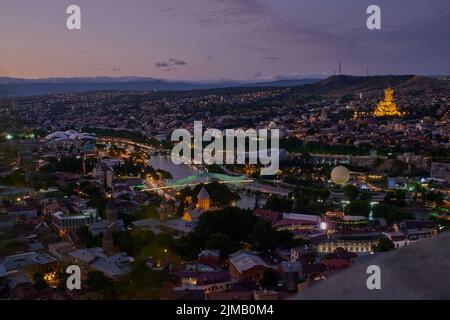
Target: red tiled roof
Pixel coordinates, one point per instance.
(272, 216)
(333, 264)
(291, 222)
(204, 278)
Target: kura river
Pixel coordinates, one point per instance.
(247, 201)
(178, 172)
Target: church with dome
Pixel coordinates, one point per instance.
(387, 107)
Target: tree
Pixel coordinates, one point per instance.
(358, 208)
(62, 280)
(436, 197)
(384, 245)
(124, 240)
(397, 197)
(236, 223)
(351, 192)
(221, 242)
(264, 237)
(277, 203)
(17, 179)
(390, 213)
(99, 282)
(269, 279)
(382, 210)
(240, 226)
(164, 174)
(400, 196)
(68, 164)
(39, 281)
(365, 196)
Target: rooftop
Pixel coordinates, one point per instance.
(203, 194)
(246, 260)
(114, 266)
(87, 255)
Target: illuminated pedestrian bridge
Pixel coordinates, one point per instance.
(205, 178)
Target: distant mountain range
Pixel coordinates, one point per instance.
(15, 87)
(333, 86)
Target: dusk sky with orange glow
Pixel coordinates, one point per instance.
(222, 39)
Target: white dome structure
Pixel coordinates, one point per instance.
(340, 175)
(56, 135)
(70, 135)
(71, 132)
(87, 137)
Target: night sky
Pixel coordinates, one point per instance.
(223, 39)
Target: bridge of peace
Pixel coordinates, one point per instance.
(204, 178)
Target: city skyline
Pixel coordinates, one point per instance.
(215, 40)
(224, 150)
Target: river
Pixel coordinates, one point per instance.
(247, 200)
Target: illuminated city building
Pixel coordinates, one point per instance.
(186, 215)
(387, 107)
(204, 201)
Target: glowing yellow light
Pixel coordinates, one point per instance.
(387, 107)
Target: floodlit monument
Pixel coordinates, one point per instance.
(387, 107)
(203, 200)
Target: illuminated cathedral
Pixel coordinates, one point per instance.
(387, 107)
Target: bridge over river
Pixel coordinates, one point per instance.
(205, 178)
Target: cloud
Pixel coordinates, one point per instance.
(232, 12)
(272, 58)
(162, 64)
(255, 22)
(258, 74)
(169, 65)
(168, 10)
(116, 68)
(179, 62)
(169, 13)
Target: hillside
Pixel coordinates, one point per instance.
(350, 85)
(16, 87)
